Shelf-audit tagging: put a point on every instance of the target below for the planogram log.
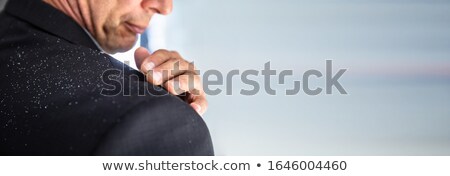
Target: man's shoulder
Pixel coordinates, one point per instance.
(38, 63)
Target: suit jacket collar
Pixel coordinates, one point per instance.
(51, 20)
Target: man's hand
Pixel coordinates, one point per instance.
(169, 70)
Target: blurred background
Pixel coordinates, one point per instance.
(397, 53)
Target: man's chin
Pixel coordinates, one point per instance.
(123, 46)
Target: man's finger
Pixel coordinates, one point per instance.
(146, 61)
(199, 103)
(173, 68)
(184, 83)
(140, 55)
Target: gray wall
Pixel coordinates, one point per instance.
(397, 56)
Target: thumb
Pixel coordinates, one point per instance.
(139, 56)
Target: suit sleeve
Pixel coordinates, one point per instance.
(161, 126)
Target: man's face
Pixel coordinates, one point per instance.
(116, 23)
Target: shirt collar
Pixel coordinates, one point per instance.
(93, 40)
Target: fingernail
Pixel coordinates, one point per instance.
(149, 66)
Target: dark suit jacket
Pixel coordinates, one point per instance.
(60, 95)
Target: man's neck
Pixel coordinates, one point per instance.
(79, 11)
(75, 9)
